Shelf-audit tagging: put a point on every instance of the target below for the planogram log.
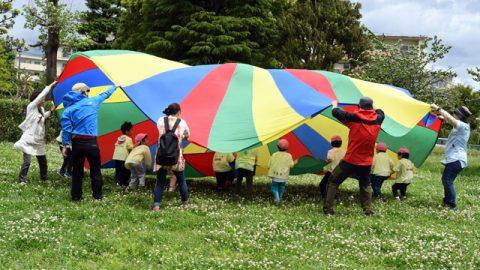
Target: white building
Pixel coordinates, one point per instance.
(35, 64)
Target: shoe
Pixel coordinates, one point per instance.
(403, 198)
(156, 208)
(23, 183)
(330, 213)
(185, 205)
(171, 189)
(454, 209)
(61, 174)
(67, 175)
(397, 198)
(368, 213)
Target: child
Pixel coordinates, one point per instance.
(382, 169)
(136, 159)
(334, 156)
(279, 169)
(66, 169)
(404, 170)
(123, 146)
(223, 171)
(245, 166)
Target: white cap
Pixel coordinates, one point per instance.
(80, 87)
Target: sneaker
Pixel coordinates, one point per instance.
(156, 208)
(185, 205)
(61, 174)
(453, 209)
(368, 213)
(22, 183)
(403, 198)
(67, 175)
(171, 189)
(397, 198)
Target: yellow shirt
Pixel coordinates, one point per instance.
(138, 155)
(404, 171)
(246, 159)
(280, 164)
(382, 165)
(123, 146)
(335, 155)
(221, 162)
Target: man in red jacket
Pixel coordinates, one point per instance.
(364, 124)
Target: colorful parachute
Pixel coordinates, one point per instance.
(231, 107)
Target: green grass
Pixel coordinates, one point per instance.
(41, 228)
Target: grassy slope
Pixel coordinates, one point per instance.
(41, 228)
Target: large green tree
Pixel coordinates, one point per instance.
(316, 34)
(99, 23)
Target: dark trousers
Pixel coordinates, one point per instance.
(86, 149)
(324, 184)
(449, 175)
(67, 162)
(248, 175)
(342, 172)
(402, 187)
(42, 164)
(377, 182)
(162, 182)
(122, 174)
(224, 179)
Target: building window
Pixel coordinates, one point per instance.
(38, 63)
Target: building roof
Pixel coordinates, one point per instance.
(419, 38)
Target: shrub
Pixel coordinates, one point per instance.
(12, 113)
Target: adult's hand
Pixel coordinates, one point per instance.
(434, 107)
(53, 84)
(118, 86)
(64, 151)
(335, 103)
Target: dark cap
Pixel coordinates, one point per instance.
(366, 103)
(463, 113)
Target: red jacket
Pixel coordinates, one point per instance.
(364, 126)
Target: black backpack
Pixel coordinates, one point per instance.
(168, 151)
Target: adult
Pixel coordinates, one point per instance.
(80, 129)
(455, 151)
(32, 141)
(182, 132)
(364, 124)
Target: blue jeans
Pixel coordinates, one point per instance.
(277, 189)
(377, 181)
(162, 182)
(448, 177)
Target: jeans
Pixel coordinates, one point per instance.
(241, 173)
(324, 184)
(162, 182)
(342, 172)
(402, 187)
(67, 162)
(377, 182)
(81, 149)
(138, 175)
(448, 177)
(278, 189)
(122, 174)
(42, 164)
(224, 179)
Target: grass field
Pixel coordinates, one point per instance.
(40, 228)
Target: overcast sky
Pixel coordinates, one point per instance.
(457, 22)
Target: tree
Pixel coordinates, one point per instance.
(318, 34)
(410, 69)
(99, 23)
(467, 96)
(57, 26)
(475, 72)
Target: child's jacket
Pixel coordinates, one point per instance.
(246, 160)
(336, 155)
(382, 165)
(138, 155)
(123, 146)
(280, 165)
(404, 170)
(221, 162)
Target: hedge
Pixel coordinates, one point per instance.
(12, 113)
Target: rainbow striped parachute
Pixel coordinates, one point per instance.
(231, 107)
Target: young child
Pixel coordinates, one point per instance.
(123, 146)
(404, 170)
(245, 166)
(223, 171)
(334, 156)
(67, 165)
(382, 169)
(279, 169)
(139, 156)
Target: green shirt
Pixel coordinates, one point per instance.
(382, 165)
(404, 170)
(246, 159)
(280, 165)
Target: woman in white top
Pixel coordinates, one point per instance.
(182, 132)
(32, 142)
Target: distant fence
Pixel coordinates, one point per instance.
(443, 141)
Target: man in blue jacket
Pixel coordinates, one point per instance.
(80, 129)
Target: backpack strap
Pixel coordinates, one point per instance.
(176, 125)
(166, 124)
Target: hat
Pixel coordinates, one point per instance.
(336, 138)
(139, 138)
(366, 103)
(282, 144)
(382, 147)
(463, 112)
(403, 150)
(80, 87)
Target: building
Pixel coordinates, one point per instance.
(35, 63)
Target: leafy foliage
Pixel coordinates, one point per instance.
(475, 72)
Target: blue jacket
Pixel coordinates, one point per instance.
(80, 116)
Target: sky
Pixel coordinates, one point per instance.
(456, 22)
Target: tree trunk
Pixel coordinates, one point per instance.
(53, 42)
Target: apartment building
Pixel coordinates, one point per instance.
(34, 63)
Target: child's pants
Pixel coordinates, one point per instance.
(122, 174)
(278, 189)
(324, 184)
(377, 181)
(402, 187)
(138, 175)
(241, 173)
(42, 164)
(67, 163)
(223, 179)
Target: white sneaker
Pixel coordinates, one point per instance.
(23, 183)
(397, 198)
